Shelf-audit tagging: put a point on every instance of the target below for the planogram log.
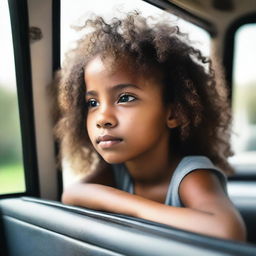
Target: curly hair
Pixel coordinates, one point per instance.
(197, 94)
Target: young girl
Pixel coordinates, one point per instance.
(148, 109)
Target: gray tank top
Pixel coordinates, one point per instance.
(187, 165)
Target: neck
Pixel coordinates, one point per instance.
(153, 170)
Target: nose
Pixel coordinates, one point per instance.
(106, 118)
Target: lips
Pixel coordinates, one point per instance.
(108, 141)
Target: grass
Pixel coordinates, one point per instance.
(11, 178)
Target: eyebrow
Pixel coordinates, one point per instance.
(115, 88)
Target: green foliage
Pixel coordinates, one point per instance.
(11, 169)
(244, 101)
(10, 138)
(11, 179)
(251, 103)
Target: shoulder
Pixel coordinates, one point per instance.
(199, 179)
(201, 186)
(202, 191)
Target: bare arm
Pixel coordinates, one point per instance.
(208, 211)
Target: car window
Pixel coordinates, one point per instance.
(11, 163)
(76, 12)
(244, 99)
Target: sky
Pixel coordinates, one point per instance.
(245, 55)
(7, 70)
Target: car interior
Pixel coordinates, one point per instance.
(35, 222)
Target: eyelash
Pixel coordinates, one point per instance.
(126, 95)
(92, 103)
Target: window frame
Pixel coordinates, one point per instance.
(185, 14)
(56, 65)
(229, 44)
(228, 58)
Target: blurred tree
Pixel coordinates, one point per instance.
(251, 102)
(10, 137)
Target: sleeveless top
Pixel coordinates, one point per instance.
(187, 165)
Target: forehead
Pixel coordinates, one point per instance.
(110, 72)
(107, 67)
(100, 71)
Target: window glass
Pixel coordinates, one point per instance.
(244, 99)
(76, 12)
(11, 165)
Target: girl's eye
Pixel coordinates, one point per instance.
(92, 103)
(126, 98)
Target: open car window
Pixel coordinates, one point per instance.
(243, 100)
(11, 157)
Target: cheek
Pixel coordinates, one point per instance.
(89, 126)
(146, 122)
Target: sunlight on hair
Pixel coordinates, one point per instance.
(75, 13)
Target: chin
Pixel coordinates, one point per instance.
(114, 159)
(110, 161)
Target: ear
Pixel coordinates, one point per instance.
(171, 120)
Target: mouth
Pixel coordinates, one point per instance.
(108, 141)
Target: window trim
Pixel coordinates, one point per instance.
(229, 44)
(185, 14)
(20, 31)
(56, 34)
(56, 65)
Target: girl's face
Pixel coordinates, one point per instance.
(127, 118)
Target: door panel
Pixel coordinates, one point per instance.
(39, 227)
